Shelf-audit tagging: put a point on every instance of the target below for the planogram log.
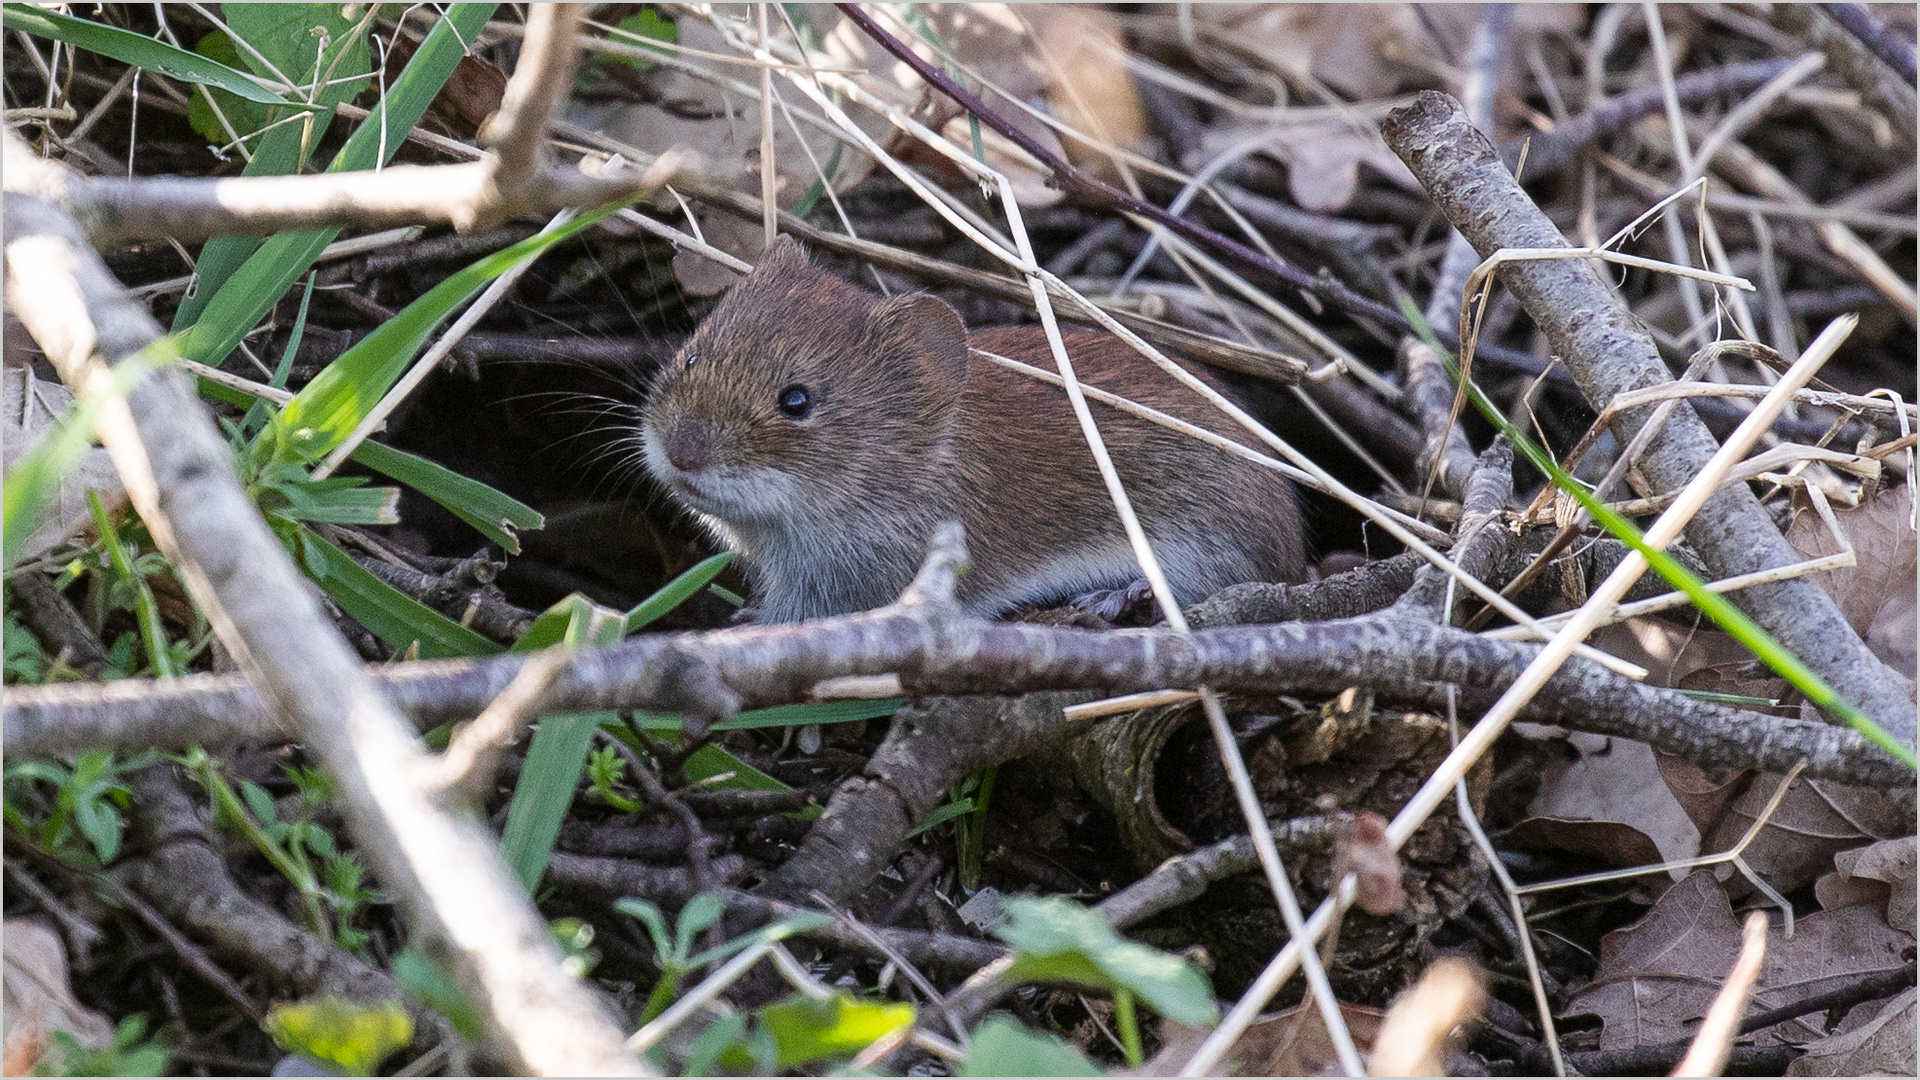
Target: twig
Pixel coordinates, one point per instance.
(679, 673)
(515, 178)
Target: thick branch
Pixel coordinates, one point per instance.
(443, 869)
(1608, 352)
(714, 673)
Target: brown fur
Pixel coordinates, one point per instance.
(832, 512)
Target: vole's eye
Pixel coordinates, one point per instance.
(692, 359)
(795, 402)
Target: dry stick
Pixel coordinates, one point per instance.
(1495, 720)
(444, 870)
(1607, 352)
(1708, 1055)
(769, 209)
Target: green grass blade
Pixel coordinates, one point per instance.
(142, 52)
(558, 753)
(270, 271)
(495, 515)
(386, 612)
(1716, 607)
(675, 592)
(327, 409)
(800, 715)
(34, 480)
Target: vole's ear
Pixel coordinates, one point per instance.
(785, 254)
(925, 334)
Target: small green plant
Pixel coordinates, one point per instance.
(130, 1054)
(1057, 940)
(674, 951)
(83, 821)
(303, 851)
(605, 767)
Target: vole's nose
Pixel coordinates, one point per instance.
(688, 447)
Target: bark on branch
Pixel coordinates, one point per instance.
(1402, 657)
(1607, 352)
(517, 177)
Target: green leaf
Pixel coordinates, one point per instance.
(346, 503)
(1005, 1047)
(675, 592)
(776, 716)
(245, 116)
(1060, 941)
(558, 754)
(807, 1029)
(718, 1036)
(650, 916)
(247, 292)
(327, 409)
(493, 514)
(643, 28)
(423, 977)
(942, 814)
(357, 1036)
(386, 612)
(142, 52)
(700, 912)
(290, 36)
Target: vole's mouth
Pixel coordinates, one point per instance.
(730, 492)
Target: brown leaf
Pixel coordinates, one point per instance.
(1658, 976)
(1369, 51)
(1611, 842)
(1291, 1042)
(1881, 532)
(1616, 780)
(1816, 820)
(1881, 874)
(39, 1000)
(1884, 1046)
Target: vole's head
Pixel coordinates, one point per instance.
(802, 399)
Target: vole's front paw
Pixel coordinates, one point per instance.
(746, 616)
(1114, 604)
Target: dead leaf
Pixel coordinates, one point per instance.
(1323, 157)
(38, 999)
(33, 406)
(1616, 780)
(1370, 51)
(1816, 820)
(1291, 1042)
(1881, 874)
(1882, 534)
(1658, 976)
(1884, 1046)
(1613, 843)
